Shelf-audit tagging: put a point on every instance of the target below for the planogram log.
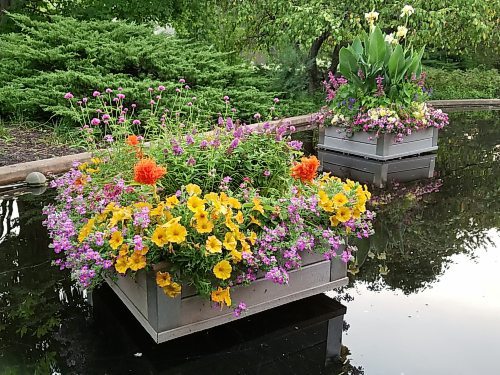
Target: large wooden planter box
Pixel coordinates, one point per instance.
(383, 148)
(375, 172)
(167, 318)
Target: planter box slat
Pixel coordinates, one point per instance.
(377, 172)
(167, 318)
(383, 148)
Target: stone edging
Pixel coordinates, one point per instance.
(18, 172)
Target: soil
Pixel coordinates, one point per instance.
(25, 144)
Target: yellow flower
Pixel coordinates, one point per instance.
(361, 207)
(339, 200)
(222, 270)
(333, 221)
(346, 187)
(172, 290)
(123, 250)
(143, 251)
(356, 213)
(402, 31)
(229, 241)
(254, 221)
(172, 201)
(245, 247)
(176, 233)
(141, 205)
(221, 296)
(86, 229)
(195, 203)
(252, 238)
(163, 279)
(327, 206)
(239, 217)
(159, 236)
(229, 223)
(211, 197)
(109, 208)
(136, 261)
(158, 210)
(120, 215)
(236, 256)
(234, 203)
(343, 214)
(193, 189)
(323, 197)
(219, 208)
(201, 215)
(121, 264)
(83, 166)
(116, 240)
(257, 205)
(213, 245)
(204, 226)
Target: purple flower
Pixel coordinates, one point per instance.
(109, 91)
(226, 98)
(96, 94)
(161, 88)
(189, 139)
(203, 144)
(182, 80)
(108, 138)
(138, 245)
(95, 121)
(191, 161)
(267, 173)
(276, 100)
(120, 96)
(257, 116)
(136, 122)
(295, 145)
(68, 96)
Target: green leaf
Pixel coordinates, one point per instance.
(357, 47)
(377, 47)
(396, 64)
(348, 64)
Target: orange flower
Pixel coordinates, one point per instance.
(132, 140)
(306, 169)
(146, 171)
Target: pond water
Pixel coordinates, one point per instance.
(424, 294)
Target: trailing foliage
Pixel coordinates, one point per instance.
(45, 60)
(463, 84)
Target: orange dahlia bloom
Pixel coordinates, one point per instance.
(132, 140)
(306, 170)
(147, 172)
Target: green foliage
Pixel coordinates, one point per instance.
(460, 84)
(46, 60)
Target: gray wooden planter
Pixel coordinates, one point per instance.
(375, 172)
(166, 318)
(383, 148)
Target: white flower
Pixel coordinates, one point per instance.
(371, 17)
(408, 10)
(402, 31)
(389, 38)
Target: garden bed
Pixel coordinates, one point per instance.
(167, 318)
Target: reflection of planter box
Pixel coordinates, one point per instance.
(383, 148)
(166, 318)
(377, 172)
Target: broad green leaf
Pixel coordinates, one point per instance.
(376, 50)
(396, 63)
(348, 64)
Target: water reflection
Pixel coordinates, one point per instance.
(424, 289)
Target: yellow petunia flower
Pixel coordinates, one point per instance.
(195, 203)
(236, 256)
(221, 295)
(159, 236)
(253, 220)
(339, 200)
(201, 215)
(234, 203)
(222, 270)
(172, 290)
(124, 249)
(141, 205)
(136, 261)
(252, 238)
(230, 224)
(116, 240)
(245, 247)
(239, 217)
(334, 221)
(356, 213)
(343, 214)
(158, 210)
(163, 279)
(120, 215)
(328, 206)
(193, 189)
(211, 197)
(172, 201)
(257, 206)
(176, 233)
(229, 241)
(121, 264)
(86, 230)
(323, 197)
(213, 245)
(204, 226)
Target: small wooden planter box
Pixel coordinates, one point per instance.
(166, 318)
(375, 172)
(383, 148)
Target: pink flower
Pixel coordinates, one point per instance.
(276, 100)
(136, 122)
(161, 88)
(68, 96)
(120, 96)
(182, 80)
(96, 94)
(226, 98)
(109, 91)
(95, 121)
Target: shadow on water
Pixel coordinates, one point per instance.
(46, 325)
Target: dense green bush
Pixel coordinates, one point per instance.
(44, 60)
(463, 84)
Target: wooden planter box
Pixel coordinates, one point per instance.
(383, 148)
(375, 172)
(166, 318)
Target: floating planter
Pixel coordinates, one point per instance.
(239, 220)
(375, 172)
(167, 318)
(377, 102)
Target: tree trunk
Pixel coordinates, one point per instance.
(312, 66)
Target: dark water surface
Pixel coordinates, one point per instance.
(424, 296)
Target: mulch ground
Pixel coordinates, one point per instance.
(24, 145)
